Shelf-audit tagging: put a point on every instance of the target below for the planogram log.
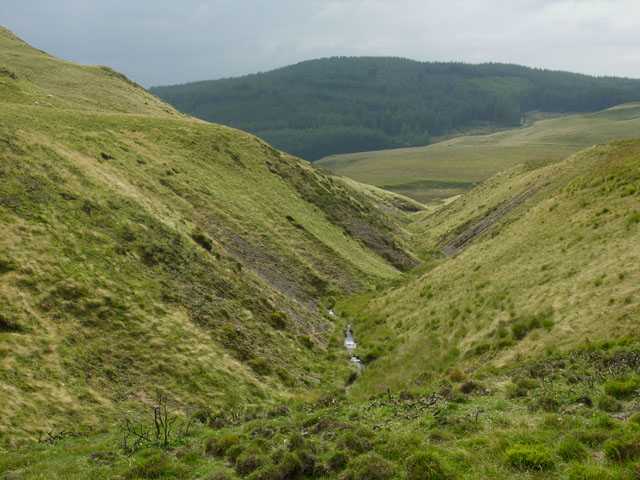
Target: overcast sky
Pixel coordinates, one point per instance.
(160, 42)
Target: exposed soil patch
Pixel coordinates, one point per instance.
(476, 229)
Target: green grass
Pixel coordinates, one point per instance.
(144, 249)
(147, 252)
(429, 430)
(524, 287)
(454, 166)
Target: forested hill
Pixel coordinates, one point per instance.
(341, 105)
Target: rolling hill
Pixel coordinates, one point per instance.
(454, 166)
(141, 249)
(533, 260)
(340, 105)
(174, 296)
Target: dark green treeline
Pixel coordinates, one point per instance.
(344, 104)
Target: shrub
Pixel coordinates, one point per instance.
(456, 375)
(221, 475)
(245, 464)
(469, 386)
(623, 448)
(634, 421)
(260, 366)
(425, 466)
(530, 457)
(202, 239)
(354, 441)
(593, 437)
(370, 467)
(278, 320)
(306, 341)
(548, 402)
(338, 460)
(609, 404)
(572, 449)
(153, 463)
(218, 446)
(622, 388)
(520, 387)
(519, 330)
(290, 466)
(296, 442)
(372, 355)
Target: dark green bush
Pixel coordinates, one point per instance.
(519, 330)
(202, 239)
(278, 320)
(356, 441)
(290, 467)
(634, 421)
(548, 402)
(371, 355)
(247, 463)
(530, 457)
(260, 366)
(296, 442)
(218, 446)
(338, 460)
(425, 466)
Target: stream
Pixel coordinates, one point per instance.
(350, 344)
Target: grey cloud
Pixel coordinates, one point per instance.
(161, 41)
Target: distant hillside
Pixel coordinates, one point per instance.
(141, 249)
(454, 166)
(341, 105)
(531, 262)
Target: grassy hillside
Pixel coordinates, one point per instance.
(454, 166)
(141, 249)
(164, 286)
(532, 262)
(489, 363)
(340, 105)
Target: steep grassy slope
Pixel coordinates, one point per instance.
(489, 364)
(454, 166)
(143, 249)
(541, 260)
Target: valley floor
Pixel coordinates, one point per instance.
(573, 416)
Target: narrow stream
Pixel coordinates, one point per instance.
(350, 344)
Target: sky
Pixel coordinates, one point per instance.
(162, 42)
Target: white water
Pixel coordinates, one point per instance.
(350, 344)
